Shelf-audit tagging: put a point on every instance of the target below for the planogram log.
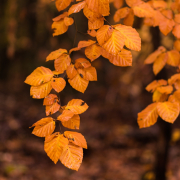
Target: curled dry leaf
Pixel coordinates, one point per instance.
(76, 138)
(43, 127)
(148, 116)
(39, 76)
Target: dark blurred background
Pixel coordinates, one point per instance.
(117, 148)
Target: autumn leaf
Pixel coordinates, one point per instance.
(90, 74)
(72, 156)
(39, 76)
(76, 7)
(168, 111)
(177, 45)
(58, 84)
(118, 3)
(132, 3)
(66, 115)
(82, 63)
(96, 23)
(59, 27)
(93, 52)
(68, 21)
(129, 19)
(76, 138)
(78, 83)
(159, 97)
(148, 116)
(176, 31)
(175, 97)
(53, 108)
(156, 83)
(165, 89)
(56, 54)
(41, 91)
(77, 106)
(173, 58)
(43, 127)
(72, 123)
(62, 4)
(174, 78)
(50, 99)
(55, 145)
(121, 13)
(71, 71)
(92, 33)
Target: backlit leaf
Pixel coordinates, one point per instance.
(96, 23)
(58, 84)
(132, 39)
(41, 91)
(175, 97)
(51, 109)
(43, 127)
(56, 54)
(159, 97)
(77, 106)
(118, 3)
(90, 74)
(166, 25)
(93, 52)
(121, 13)
(72, 123)
(168, 111)
(156, 83)
(148, 116)
(76, 138)
(129, 19)
(173, 58)
(50, 99)
(72, 156)
(71, 71)
(55, 145)
(66, 115)
(159, 63)
(78, 83)
(39, 76)
(76, 7)
(165, 89)
(59, 27)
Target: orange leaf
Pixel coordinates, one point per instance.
(90, 14)
(174, 78)
(177, 18)
(82, 63)
(118, 3)
(44, 127)
(168, 111)
(62, 63)
(58, 84)
(96, 23)
(50, 99)
(165, 89)
(148, 116)
(61, 16)
(173, 58)
(83, 44)
(72, 123)
(55, 146)
(143, 10)
(76, 138)
(121, 13)
(59, 27)
(132, 39)
(39, 76)
(153, 56)
(39, 92)
(99, 6)
(159, 97)
(68, 21)
(159, 4)
(77, 106)
(175, 97)
(92, 33)
(177, 85)
(93, 52)
(76, 7)
(176, 31)
(132, 3)
(62, 4)
(129, 19)
(123, 58)
(90, 74)
(159, 63)
(166, 25)
(66, 115)
(177, 45)
(56, 54)
(78, 83)
(72, 156)
(71, 71)
(51, 109)
(156, 83)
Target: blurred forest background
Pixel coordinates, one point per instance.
(117, 148)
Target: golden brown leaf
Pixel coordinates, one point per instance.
(129, 19)
(90, 74)
(72, 156)
(71, 71)
(59, 27)
(62, 4)
(58, 84)
(50, 99)
(153, 56)
(166, 25)
(132, 3)
(159, 63)
(68, 21)
(176, 31)
(173, 58)
(92, 33)
(159, 4)
(165, 89)
(177, 45)
(39, 76)
(156, 83)
(82, 63)
(159, 97)
(78, 83)
(148, 116)
(174, 78)
(177, 18)
(41, 91)
(77, 106)
(76, 138)
(76, 7)
(93, 52)
(51, 109)
(96, 23)
(56, 54)
(168, 111)
(62, 63)
(83, 44)
(54, 145)
(132, 39)
(65, 116)
(43, 127)
(72, 123)
(121, 13)
(118, 3)
(175, 97)
(61, 16)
